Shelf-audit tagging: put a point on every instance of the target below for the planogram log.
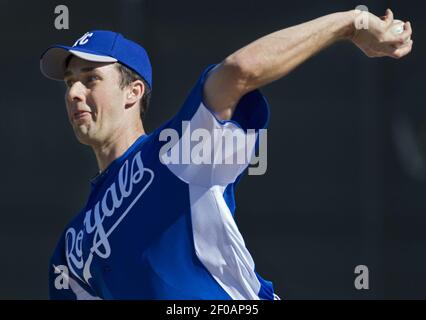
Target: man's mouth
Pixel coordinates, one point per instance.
(81, 114)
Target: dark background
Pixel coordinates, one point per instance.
(345, 184)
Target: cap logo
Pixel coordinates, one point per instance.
(84, 39)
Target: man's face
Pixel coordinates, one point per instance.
(94, 100)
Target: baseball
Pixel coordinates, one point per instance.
(398, 27)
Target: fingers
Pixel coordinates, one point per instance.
(406, 34)
(388, 17)
(403, 38)
(402, 51)
(408, 31)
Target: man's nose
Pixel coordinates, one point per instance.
(77, 92)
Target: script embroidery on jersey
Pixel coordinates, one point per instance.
(93, 221)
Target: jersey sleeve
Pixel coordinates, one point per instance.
(201, 149)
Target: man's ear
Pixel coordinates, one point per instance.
(135, 92)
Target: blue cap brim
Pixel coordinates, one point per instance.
(52, 61)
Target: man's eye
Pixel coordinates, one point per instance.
(92, 78)
(69, 83)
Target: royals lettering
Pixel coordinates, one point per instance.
(109, 207)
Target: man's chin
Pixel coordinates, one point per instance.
(84, 136)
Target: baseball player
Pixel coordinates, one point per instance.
(158, 223)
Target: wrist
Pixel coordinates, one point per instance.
(348, 29)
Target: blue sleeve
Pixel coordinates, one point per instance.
(251, 114)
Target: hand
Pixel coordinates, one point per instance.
(379, 41)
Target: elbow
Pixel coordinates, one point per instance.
(243, 71)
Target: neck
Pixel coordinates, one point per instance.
(108, 151)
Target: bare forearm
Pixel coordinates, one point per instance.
(275, 55)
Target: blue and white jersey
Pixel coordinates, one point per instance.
(157, 229)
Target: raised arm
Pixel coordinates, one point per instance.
(275, 55)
